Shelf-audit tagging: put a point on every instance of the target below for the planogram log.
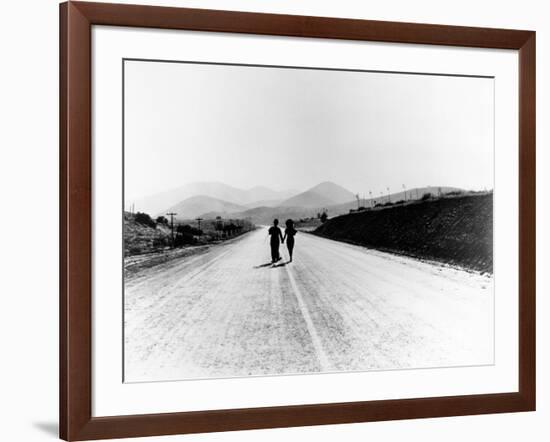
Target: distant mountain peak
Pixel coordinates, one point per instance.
(323, 194)
(327, 185)
(323, 183)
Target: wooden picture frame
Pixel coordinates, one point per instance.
(76, 421)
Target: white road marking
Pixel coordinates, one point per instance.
(316, 341)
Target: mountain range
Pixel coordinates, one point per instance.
(157, 204)
(198, 205)
(261, 204)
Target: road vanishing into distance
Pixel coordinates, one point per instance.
(338, 307)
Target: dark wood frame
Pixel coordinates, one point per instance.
(76, 421)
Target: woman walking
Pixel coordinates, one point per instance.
(275, 234)
(290, 232)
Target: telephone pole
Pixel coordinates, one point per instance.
(171, 215)
(199, 221)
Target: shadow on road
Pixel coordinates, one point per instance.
(271, 265)
(267, 264)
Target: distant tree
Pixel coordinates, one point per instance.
(231, 229)
(162, 220)
(318, 215)
(145, 219)
(454, 193)
(183, 228)
(186, 229)
(426, 196)
(182, 239)
(185, 235)
(324, 217)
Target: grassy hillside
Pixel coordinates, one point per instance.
(454, 230)
(408, 195)
(142, 235)
(140, 238)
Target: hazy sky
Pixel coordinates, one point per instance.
(294, 128)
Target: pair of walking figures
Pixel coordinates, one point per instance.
(276, 236)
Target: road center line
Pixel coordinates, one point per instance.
(316, 341)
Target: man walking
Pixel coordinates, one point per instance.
(276, 237)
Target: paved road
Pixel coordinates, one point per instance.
(337, 307)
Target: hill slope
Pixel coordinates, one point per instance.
(322, 195)
(457, 230)
(198, 205)
(140, 238)
(256, 195)
(408, 195)
(155, 204)
(263, 203)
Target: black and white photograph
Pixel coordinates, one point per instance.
(288, 220)
(245, 220)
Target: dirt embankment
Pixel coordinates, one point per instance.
(133, 265)
(147, 246)
(457, 231)
(141, 238)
